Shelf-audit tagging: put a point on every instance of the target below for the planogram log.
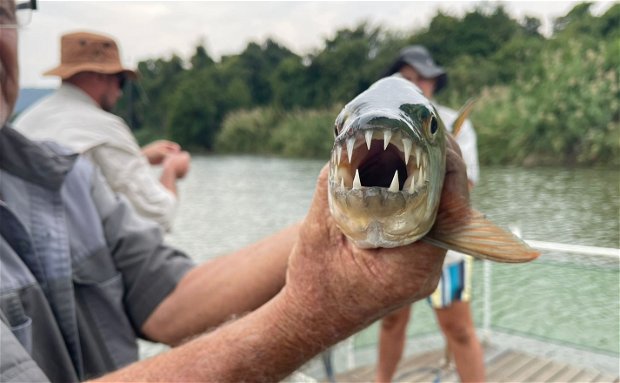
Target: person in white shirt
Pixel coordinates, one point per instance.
(451, 298)
(77, 115)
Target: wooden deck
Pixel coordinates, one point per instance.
(501, 366)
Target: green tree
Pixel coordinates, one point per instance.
(200, 103)
(201, 58)
(145, 104)
(255, 65)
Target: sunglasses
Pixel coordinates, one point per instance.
(122, 79)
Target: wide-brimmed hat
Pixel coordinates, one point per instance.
(421, 60)
(88, 52)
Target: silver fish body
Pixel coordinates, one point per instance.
(387, 170)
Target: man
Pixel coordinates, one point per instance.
(83, 276)
(451, 298)
(77, 116)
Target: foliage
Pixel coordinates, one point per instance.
(565, 111)
(543, 100)
(306, 133)
(247, 131)
(300, 133)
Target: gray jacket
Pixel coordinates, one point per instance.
(80, 272)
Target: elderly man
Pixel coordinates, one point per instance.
(77, 116)
(82, 276)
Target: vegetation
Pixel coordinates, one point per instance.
(541, 100)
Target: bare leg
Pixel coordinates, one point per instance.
(458, 327)
(391, 343)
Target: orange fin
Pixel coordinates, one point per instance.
(481, 238)
(462, 116)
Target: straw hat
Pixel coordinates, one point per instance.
(88, 52)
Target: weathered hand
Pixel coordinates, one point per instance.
(348, 286)
(454, 208)
(332, 290)
(157, 151)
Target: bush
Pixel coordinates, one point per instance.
(564, 110)
(247, 131)
(300, 134)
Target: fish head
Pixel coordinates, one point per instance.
(387, 165)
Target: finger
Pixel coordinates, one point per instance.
(318, 207)
(454, 205)
(319, 229)
(456, 171)
(452, 144)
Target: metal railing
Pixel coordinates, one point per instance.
(606, 253)
(603, 252)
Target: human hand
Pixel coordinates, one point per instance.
(332, 290)
(345, 287)
(179, 162)
(156, 151)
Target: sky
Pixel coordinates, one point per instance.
(154, 29)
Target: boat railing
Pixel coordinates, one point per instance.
(551, 252)
(605, 253)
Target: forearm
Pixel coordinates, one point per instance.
(223, 288)
(266, 345)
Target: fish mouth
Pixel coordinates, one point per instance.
(379, 158)
(379, 187)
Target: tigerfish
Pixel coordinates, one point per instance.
(386, 174)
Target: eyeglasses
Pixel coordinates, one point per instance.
(16, 15)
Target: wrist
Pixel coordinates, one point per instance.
(313, 322)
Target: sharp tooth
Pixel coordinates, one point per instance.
(338, 153)
(418, 152)
(342, 183)
(407, 143)
(421, 177)
(387, 135)
(356, 182)
(350, 144)
(368, 136)
(394, 185)
(412, 185)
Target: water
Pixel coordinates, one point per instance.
(228, 202)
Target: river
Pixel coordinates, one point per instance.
(230, 201)
(227, 202)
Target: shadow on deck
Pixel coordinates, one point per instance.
(502, 365)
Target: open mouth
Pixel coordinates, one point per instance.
(379, 158)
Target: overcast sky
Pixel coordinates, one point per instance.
(150, 29)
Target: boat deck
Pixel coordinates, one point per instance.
(502, 365)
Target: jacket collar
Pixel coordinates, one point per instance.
(33, 162)
(71, 91)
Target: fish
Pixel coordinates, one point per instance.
(386, 173)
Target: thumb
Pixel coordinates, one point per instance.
(318, 207)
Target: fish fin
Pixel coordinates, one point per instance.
(483, 239)
(462, 116)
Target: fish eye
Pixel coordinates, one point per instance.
(433, 125)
